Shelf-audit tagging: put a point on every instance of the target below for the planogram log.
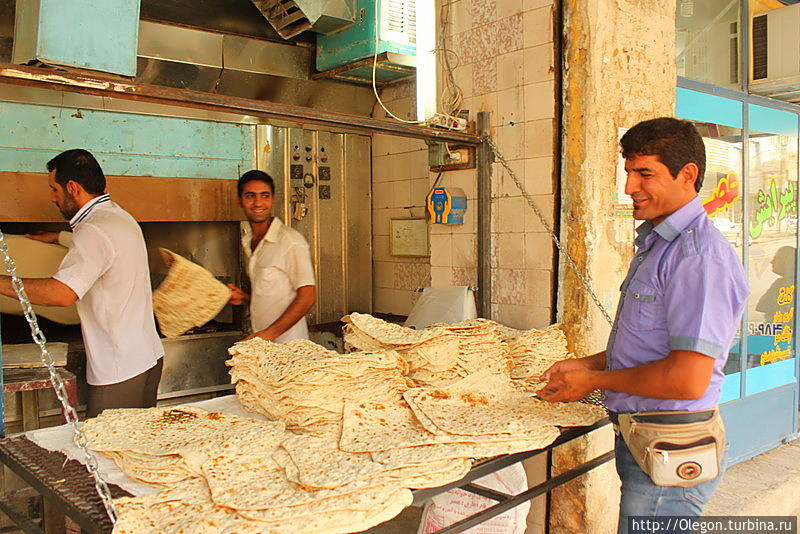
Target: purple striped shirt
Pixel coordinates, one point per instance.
(685, 290)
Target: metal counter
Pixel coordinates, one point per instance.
(71, 489)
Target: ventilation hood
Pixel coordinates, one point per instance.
(292, 17)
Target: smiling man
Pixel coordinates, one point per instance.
(681, 303)
(278, 264)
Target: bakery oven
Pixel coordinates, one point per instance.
(194, 362)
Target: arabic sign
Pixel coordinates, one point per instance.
(777, 336)
(772, 207)
(724, 194)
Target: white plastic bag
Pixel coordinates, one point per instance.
(442, 305)
(445, 509)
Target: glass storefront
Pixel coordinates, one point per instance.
(750, 194)
(772, 234)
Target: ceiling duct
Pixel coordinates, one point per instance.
(292, 17)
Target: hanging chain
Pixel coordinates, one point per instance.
(61, 391)
(549, 229)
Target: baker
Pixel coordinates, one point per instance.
(278, 264)
(681, 303)
(105, 273)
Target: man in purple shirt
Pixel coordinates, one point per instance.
(680, 306)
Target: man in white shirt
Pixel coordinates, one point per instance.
(278, 264)
(106, 272)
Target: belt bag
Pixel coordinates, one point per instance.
(675, 454)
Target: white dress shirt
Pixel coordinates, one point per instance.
(280, 264)
(106, 266)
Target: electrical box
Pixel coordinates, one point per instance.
(446, 205)
(388, 27)
(101, 36)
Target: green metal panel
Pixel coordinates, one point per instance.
(124, 143)
(83, 33)
(356, 42)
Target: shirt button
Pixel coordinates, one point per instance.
(689, 231)
(636, 295)
(640, 258)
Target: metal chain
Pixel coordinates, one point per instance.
(549, 228)
(58, 385)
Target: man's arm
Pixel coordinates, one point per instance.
(305, 298)
(41, 291)
(683, 374)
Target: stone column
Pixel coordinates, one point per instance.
(619, 68)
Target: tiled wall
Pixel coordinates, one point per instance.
(400, 183)
(505, 66)
(506, 53)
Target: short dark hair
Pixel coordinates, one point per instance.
(676, 142)
(251, 176)
(79, 166)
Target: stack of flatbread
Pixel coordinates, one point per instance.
(533, 352)
(306, 385)
(162, 446)
(189, 296)
(479, 416)
(436, 356)
(229, 475)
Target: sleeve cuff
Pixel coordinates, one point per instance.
(74, 284)
(695, 344)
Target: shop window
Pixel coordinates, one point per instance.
(722, 198)
(772, 233)
(708, 41)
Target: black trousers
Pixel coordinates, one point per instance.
(137, 392)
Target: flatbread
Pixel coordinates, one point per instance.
(35, 259)
(189, 296)
(486, 403)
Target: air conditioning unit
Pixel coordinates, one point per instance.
(776, 54)
(385, 27)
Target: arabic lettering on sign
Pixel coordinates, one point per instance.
(775, 355)
(772, 207)
(784, 317)
(725, 193)
(785, 295)
(784, 337)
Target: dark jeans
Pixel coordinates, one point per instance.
(137, 392)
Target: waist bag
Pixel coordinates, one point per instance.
(675, 448)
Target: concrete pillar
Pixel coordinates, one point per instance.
(619, 68)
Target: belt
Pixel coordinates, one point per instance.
(668, 418)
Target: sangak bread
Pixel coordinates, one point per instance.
(486, 403)
(306, 385)
(189, 296)
(165, 445)
(438, 355)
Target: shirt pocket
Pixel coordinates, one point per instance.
(641, 306)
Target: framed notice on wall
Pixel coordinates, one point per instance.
(408, 237)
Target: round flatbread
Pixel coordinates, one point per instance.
(189, 296)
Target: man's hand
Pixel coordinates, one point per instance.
(44, 237)
(571, 382)
(570, 364)
(238, 297)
